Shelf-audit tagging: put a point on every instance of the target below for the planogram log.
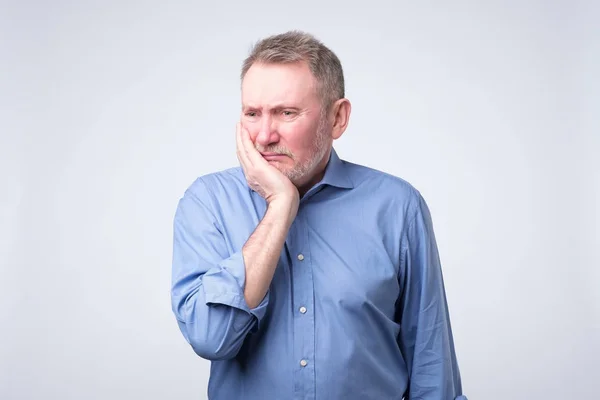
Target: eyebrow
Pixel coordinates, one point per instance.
(277, 106)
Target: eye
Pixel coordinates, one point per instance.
(288, 113)
(251, 114)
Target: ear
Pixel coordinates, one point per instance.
(340, 112)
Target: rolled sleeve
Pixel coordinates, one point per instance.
(207, 293)
(224, 285)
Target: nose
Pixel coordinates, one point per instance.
(267, 134)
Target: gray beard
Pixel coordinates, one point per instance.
(317, 152)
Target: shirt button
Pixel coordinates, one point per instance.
(303, 310)
(303, 363)
(300, 257)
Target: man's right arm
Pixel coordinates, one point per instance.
(263, 248)
(218, 297)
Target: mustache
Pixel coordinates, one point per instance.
(274, 149)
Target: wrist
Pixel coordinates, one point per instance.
(284, 208)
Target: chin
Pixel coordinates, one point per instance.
(299, 179)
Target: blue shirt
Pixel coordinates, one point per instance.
(356, 308)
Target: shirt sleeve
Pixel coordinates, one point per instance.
(425, 337)
(207, 292)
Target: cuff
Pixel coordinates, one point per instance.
(224, 284)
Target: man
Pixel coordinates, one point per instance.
(302, 276)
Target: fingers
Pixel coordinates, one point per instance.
(254, 156)
(242, 153)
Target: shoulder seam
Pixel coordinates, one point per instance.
(203, 203)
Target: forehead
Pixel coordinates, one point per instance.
(270, 84)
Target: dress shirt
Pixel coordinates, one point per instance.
(356, 308)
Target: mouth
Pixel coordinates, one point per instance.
(273, 156)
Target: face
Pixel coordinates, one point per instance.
(281, 110)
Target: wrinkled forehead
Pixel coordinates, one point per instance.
(268, 84)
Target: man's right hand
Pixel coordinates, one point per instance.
(262, 250)
(265, 179)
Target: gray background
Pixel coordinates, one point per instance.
(109, 110)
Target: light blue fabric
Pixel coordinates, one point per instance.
(356, 308)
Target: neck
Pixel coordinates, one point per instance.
(318, 173)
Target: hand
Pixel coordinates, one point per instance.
(262, 177)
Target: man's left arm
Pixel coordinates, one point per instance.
(425, 337)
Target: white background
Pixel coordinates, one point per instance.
(109, 110)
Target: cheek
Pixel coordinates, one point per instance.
(303, 130)
(253, 134)
(296, 137)
(253, 130)
(307, 135)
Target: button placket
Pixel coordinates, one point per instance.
(302, 295)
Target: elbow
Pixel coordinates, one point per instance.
(214, 333)
(213, 350)
(210, 345)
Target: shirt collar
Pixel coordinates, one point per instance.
(336, 173)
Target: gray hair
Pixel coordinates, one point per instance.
(296, 46)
